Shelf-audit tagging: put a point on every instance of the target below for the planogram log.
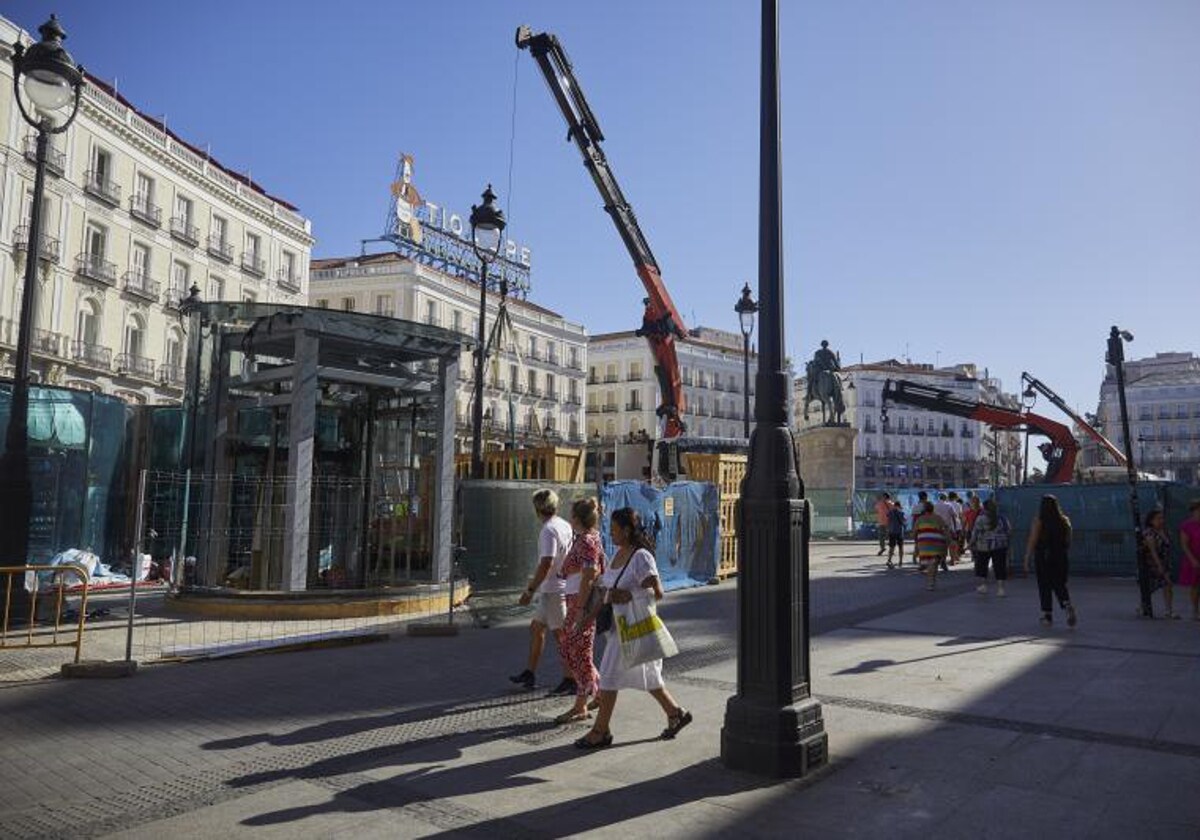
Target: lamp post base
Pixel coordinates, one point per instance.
(784, 742)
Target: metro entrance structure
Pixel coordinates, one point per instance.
(291, 414)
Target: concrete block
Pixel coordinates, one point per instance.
(100, 668)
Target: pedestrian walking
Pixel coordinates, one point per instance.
(1154, 565)
(895, 533)
(930, 540)
(631, 577)
(989, 544)
(883, 507)
(1189, 567)
(581, 569)
(970, 514)
(550, 611)
(1049, 545)
(949, 516)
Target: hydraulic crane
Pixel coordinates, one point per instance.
(1034, 385)
(1059, 451)
(661, 323)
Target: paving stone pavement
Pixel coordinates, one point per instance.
(949, 715)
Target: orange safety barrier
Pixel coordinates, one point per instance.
(59, 574)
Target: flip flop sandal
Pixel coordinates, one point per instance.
(585, 743)
(572, 716)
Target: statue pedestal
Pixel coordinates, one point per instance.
(827, 468)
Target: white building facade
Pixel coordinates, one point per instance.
(133, 217)
(918, 447)
(623, 391)
(1163, 397)
(533, 386)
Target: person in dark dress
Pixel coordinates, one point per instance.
(1048, 545)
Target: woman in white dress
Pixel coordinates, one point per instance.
(632, 575)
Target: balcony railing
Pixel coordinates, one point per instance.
(574, 399)
(609, 408)
(47, 247)
(633, 406)
(252, 263)
(574, 364)
(143, 209)
(593, 380)
(139, 284)
(47, 343)
(288, 281)
(138, 366)
(610, 378)
(91, 355)
(174, 296)
(171, 375)
(102, 187)
(56, 161)
(634, 377)
(219, 248)
(183, 230)
(95, 267)
(533, 391)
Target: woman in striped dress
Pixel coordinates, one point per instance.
(931, 541)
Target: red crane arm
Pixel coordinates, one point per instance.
(1060, 452)
(661, 322)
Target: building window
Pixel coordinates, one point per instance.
(180, 284)
(97, 242)
(219, 231)
(87, 325)
(348, 304)
(140, 262)
(101, 166)
(552, 352)
(383, 306)
(288, 269)
(253, 244)
(322, 303)
(216, 289)
(431, 313)
(457, 321)
(174, 349)
(135, 337)
(183, 211)
(550, 392)
(533, 347)
(573, 355)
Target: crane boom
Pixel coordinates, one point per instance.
(661, 322)
(1060, 452)
(1088, 429)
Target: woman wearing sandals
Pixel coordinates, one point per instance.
(1155, 565)
(631, 575)
(1049, 544)
(581, 567)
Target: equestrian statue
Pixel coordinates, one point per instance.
(825, 386)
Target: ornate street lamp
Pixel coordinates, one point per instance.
(487, 234)
(52, 82)
(746, 307)
(1116, 357)
(773, 725)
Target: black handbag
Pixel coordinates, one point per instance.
(604, 618)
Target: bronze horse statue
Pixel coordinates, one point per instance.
(825, 387)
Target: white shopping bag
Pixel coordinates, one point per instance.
(643, 636)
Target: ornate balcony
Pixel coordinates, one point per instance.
(171, 376)
(47, 343)
(47, 247)
(186, 232)
(139, 284)
(289, 282)
(91, 355)
(95, 267)
(143, 209)
(219, 248)
(135, 366)
(252, 263)
(98, 186)
(174, 297)
(56, 161)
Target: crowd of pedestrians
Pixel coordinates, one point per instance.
(944, 528)
(578, 594)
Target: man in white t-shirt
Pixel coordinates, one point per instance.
(551, 608)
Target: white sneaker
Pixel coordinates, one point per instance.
(981, 589)
(1000, 593)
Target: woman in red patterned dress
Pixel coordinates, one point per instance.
(581, 568)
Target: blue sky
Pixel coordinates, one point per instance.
(995, 182)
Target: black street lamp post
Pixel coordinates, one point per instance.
(773, 726)
(1116, 358)
(745, 309)
(487, 233)
(52, 82)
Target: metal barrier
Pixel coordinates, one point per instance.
(56, 572)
